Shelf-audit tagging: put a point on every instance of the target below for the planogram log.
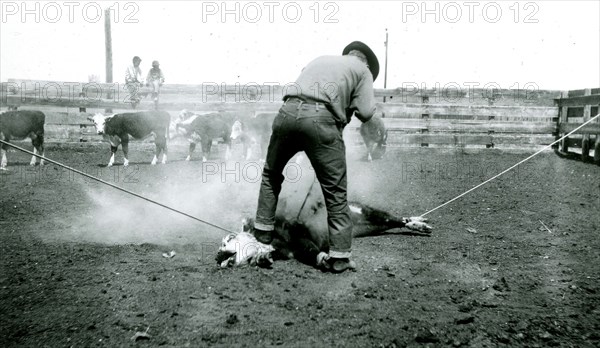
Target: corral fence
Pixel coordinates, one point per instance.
(447, 116)
(576, 107)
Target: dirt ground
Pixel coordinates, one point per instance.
(514, 263)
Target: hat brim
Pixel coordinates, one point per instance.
(371, 57)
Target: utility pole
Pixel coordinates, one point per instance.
(108, 52)
(386, 59)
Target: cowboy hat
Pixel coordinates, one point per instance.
(371, 57)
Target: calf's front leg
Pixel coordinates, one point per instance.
(125, 147)
(190, 150)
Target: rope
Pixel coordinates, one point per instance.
(306, 198)
(115, 186)
(526, 159)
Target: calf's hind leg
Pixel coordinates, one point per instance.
(38, 148)
(4, 161)
(161, 145)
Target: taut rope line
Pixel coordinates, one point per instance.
(506, 170)
(115, 186)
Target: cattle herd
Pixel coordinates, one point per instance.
(203, 128)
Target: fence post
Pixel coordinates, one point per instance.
(562, 118)
(597, 150)
(585, 144)
(425, 117)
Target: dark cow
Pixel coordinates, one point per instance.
(304, 241)
(117, 129)
(18, 125)
(204, 129)
(256, 130)
(374, 136)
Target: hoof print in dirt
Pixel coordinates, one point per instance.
(426, 336)
(501, 285)
(465, 320)
(232, 319)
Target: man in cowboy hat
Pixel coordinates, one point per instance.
(329, 90)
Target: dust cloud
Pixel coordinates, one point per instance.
(115, 217)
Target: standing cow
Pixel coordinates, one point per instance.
(254, 130)
(374, 135)
(19, 125)
(204, 129)
(117, 129)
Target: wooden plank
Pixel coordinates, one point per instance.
(590, 128)
(466, 110)
(145, 104)
(576, 93)
(249, 92)
(464, 126)
(399, 139)
(67, 118)
(581, 101)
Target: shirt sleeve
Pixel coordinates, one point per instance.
(363, 98)
(128, 76)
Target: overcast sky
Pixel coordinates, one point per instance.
(551, 44)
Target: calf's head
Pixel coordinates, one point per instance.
(99, 121)
(239, 249)
(236, 129)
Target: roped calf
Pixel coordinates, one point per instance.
(374, 135)
(117, 129)
(18, 125)
(254, 130)
(204, 129)
(306, 242)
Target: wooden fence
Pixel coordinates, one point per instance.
(576, 107)
(415, 117)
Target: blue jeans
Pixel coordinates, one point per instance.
(312, 129)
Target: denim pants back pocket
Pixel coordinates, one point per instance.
(327, 131)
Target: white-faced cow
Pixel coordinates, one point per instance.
(374, 136)
(204, 129)
(304, 241)
(256, 130)
(18, 125)
(117, 129)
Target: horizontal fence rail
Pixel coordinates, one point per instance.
(414, 117)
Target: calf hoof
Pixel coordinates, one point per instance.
(109, 165)
(126, 163)
(3, 168)
(32, 164)
(188, 158)
(369, 158)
